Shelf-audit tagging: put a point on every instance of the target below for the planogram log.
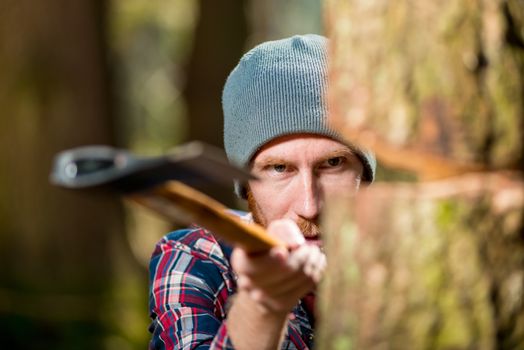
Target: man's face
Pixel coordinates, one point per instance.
(297, 173)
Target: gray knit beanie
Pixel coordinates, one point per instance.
(278, 88)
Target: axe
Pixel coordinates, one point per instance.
(164, 185)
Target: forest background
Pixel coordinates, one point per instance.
(137, 74)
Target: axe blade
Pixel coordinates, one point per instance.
(103, 166)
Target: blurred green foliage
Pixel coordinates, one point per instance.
(150, 42)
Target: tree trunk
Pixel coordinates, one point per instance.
(443, 267)
(54, 250)
(219, 41)
(437, 89)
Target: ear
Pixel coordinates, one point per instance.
(240, 189)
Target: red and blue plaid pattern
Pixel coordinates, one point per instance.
(191, 281)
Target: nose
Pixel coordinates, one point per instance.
(308, 200)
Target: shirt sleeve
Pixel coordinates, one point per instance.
(188, 295)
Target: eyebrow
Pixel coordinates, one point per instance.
(268, 161)
(343, 152)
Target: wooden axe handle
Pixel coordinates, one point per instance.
(180, 202)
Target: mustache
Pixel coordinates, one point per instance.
(308, 228)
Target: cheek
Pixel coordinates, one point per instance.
(336, 185)
(271, 200)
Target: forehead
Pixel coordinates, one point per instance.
(296, 147)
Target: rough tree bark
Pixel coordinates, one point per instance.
(438, 89)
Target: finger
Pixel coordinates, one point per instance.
(286, 295)
(304, 266)
(315, 265)
(244, 263)
(294, 289)
(271, 280)
(288, 231)
(310, 260)
(244, 282)
(301, 263)
(299, 256)
(286, 281)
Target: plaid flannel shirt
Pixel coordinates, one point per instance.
(191, 281)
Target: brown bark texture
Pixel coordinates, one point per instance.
(433, 87)
(437, 265)
(436, 88)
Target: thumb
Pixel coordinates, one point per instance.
(288, 231)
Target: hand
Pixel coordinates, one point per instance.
(277, 279)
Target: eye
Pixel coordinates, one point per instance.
(335, 161)
(279, 168)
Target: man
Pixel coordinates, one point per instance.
(204, 294)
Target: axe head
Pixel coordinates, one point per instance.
(102, 166)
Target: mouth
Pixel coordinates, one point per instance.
(314, 241)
